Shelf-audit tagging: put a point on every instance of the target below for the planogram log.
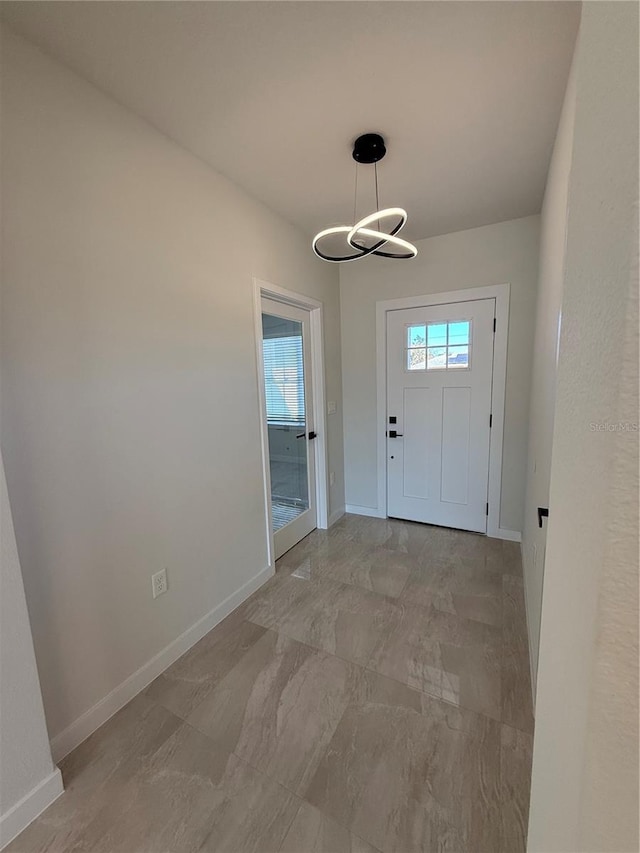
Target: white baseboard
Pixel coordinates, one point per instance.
(371, 511)
(508, 535)
(336, 515)
(30, 806)
(87, 723)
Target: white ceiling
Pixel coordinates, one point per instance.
(271, 94)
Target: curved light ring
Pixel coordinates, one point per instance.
(411, 250)
(339, 229)
(363, 250)
(376, 217)
(360, 228)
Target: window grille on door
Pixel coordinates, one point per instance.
(438, 346)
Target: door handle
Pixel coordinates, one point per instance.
(311, 435)
(543, 512)
(393, 434)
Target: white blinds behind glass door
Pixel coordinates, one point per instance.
(284, 379)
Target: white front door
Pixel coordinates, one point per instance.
(439, 375)
(286, 352)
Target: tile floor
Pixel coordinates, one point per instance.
(373, 696)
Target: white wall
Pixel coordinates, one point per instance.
(553, 233)
(28, 779)
(130, 426)
(495, 254)
(585, 762)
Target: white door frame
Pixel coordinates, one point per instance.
(499, 292)
(319, 445)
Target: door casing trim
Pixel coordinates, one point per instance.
(315, 309)
(499, 292)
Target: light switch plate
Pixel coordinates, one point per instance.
(332, 407)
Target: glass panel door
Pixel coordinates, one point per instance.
(286, 362)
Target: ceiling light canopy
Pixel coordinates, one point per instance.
(360, 239)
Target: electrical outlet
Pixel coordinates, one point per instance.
(159, 583)
(332, 478)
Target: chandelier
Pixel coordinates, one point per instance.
(361, 239)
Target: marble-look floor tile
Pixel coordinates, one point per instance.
(320, 563)
(190, 679)
(190, 795)
(314, 832)
(278, 708)
(323, 548)
(444, 543)
(285, 703)
(516, 675)
(132, 734)
(478, 608)
(511, 558)
(255, 814)
(439, 653)
(275, 599)
(391, 533)
(374, 568)
(432, 782)
(94, 772)
(341, 619)
(483, 553)
(322, 543)
(515, 773)
(463, 587)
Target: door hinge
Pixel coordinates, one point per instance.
(494, 325)
(490, 421)
(487, 509)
